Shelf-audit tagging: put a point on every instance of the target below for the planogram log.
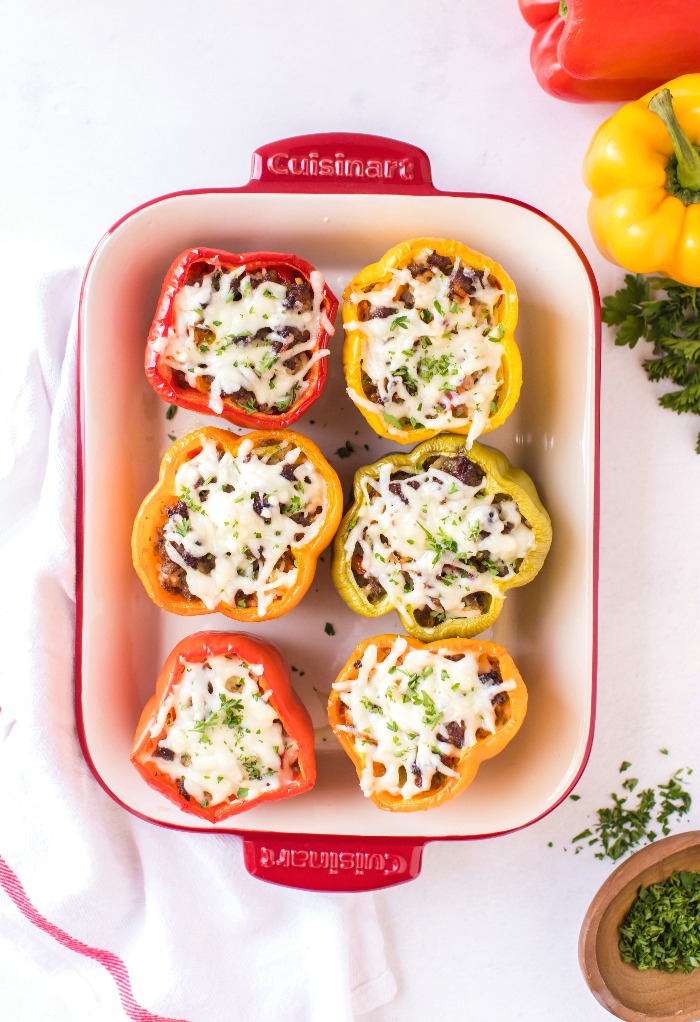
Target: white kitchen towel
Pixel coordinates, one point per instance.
(102, 915)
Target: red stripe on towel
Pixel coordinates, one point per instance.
(114, 965)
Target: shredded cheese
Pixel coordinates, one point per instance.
(433, 541)
(218, 736)
(434, 362)
(236, 519)
(415, 713)
(243, 336)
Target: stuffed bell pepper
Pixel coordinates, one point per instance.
(241, 336)
(440, 535)
(417, 720)
(224, 731)
(429, 342)
(235, 524)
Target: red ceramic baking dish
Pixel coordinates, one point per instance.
(340, 201)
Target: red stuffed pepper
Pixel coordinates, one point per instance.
(224, 731)
(241, 336)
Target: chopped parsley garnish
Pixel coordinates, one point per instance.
(662, 929)
(265, 363)
(622, 827)
(171, 412)
(248, 405)
(229, 715)
(284, 403)
(186, 497)
(432, 716)
(401, 322)
(410, 383)
(372, 707)
(346, 450)
(445, 544)
(329, 629)
(392, 420)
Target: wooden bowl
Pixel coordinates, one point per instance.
(619, 986)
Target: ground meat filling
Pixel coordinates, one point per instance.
(435, 542)
(249, 338)
(432, 348)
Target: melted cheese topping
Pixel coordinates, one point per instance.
(219, 738)
(232, 530)
(436, 364)
(415, 713)
(433, 541)
(239, 335)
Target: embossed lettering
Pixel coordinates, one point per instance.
(278, 163)
(394, 864)
(313, 165)
(406, 169)
(359, 862)
(318, 860)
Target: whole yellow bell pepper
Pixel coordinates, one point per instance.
(643, 168)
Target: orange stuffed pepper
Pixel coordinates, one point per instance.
(417, 719)
(224, 731)
(235, 524)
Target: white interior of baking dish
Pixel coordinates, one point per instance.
(547, 626)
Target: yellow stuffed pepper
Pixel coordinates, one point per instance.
(429, 342)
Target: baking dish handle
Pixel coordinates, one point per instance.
(341, 162)
(321, 862)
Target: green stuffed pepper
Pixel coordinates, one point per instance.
(439, 535)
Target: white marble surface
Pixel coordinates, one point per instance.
(105, 107)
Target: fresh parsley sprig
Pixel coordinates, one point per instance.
(667, 315)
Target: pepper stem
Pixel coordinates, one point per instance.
(688, 171)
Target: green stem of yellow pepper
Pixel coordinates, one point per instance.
(687, 168)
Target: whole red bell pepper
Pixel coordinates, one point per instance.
(193, 388)
(171, 772)
(590, 50)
